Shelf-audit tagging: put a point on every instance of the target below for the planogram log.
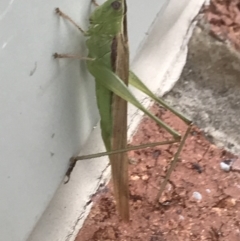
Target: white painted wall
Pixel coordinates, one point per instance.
(47, 111)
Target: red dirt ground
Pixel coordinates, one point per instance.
(224, 19)
(179, 216)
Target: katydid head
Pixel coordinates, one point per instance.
(110, 9)
(108, 17)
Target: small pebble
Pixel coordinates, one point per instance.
(135, 178)
(226, 165)
(208, 190)
(145, 177)
(197, 196)
(181, 217)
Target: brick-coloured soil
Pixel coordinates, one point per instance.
(224, 19)
(179, 216)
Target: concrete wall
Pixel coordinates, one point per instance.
(47, 107)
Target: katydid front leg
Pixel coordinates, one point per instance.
(95, 3)
(60, 13)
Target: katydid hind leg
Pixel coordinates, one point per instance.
(119, 90)
(73, 160)
(173, 163)
(137, 83)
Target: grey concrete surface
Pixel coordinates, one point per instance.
(209, 89)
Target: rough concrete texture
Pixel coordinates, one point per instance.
(208, 89)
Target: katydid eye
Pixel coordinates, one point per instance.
(116, 5)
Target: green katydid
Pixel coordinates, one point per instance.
(108, 62)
